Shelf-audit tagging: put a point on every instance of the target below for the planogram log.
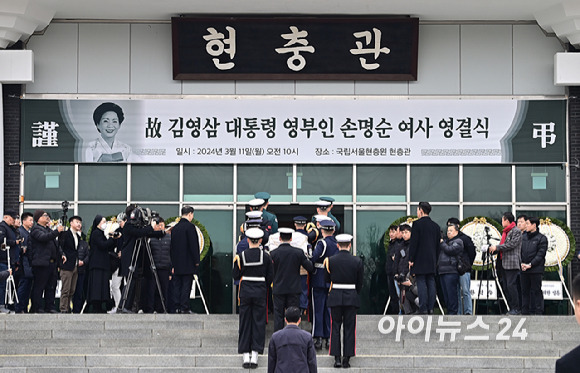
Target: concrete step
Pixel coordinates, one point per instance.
(201, 343)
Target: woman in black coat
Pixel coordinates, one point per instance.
(99, 295)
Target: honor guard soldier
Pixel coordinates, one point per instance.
(345, 274)
(323, 207)
(253, 268)
(300, 224)
(287, 261)
(325, 248)
(254, 221)
(270, 218)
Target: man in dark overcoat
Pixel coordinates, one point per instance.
(185, 252)
(423, 253)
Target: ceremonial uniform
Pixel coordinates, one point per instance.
(253, 267)
(271, 220)
(287, 261)
(345, 274)
(325, 248)
(313, 234)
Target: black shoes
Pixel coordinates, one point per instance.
(318, 343)
(337, 362)
(326, 343)
(345, 362)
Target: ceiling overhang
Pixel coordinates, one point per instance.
(562, 19)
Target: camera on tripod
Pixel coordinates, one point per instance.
(142, 216)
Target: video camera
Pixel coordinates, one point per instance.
(65, 204)
(142, 216)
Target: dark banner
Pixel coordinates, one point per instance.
(377, 48)
(305, 130)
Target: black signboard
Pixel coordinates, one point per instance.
(295, 48)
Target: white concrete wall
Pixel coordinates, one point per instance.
(89, 58)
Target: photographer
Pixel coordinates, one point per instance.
(160, 251)
(510, 248)
(25, 280)
(8, 236)
(136, 227)
(450, 251)
(406, 282)
(395, 244)
(44, 254)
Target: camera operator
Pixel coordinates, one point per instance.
(510, 248)
(135, 228)
(44, 254)
(408, 290)
(160, 251)
(8, 235)
(25, 281)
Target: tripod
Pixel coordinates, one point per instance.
(488, 259)
(11, 293)
(141, 242)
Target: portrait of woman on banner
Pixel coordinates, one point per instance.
(108, 118)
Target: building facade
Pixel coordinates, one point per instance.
(457, 61)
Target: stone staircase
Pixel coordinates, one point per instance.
(199, 343)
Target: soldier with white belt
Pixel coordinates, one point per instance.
(253, 267)
(345, 273)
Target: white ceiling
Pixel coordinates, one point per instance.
(424, 9)
(20, 18)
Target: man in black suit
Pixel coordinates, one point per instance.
(423, 252)
(185, 259)
(69, 242)
(345, 273)
(287, 260)
(571, 361)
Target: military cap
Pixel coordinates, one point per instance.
(256, 202)
(286, 230)
(254, 214)
(327, 224)
(262, 195)
(253, 222)
(320, 218)
(343, 238)
(254, 233)
(300, 220)
(329, 199)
